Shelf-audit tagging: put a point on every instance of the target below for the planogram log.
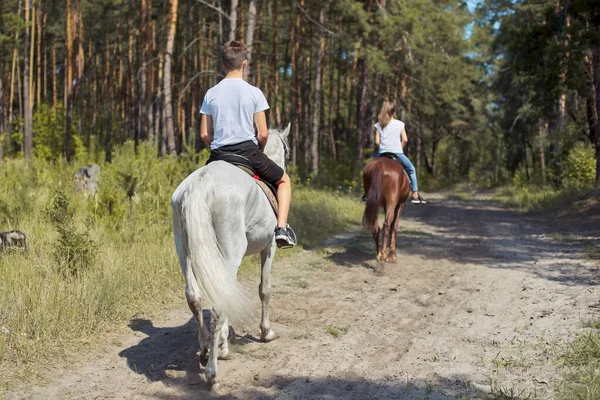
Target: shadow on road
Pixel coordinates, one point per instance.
(479, 232)
(168, 355)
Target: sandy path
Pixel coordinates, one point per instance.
(480, 299)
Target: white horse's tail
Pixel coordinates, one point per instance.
(216, 279)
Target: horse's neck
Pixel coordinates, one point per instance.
(275, 151)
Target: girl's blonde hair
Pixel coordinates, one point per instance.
(385, 115)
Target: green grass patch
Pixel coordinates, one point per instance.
(532, 198)
(335, 331)
(581, 363)
(319, 214)
(592, 324)
(55, 300)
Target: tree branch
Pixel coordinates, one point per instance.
(217, 9)
(310, 19)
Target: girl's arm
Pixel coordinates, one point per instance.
(377, 138)
(403, 138)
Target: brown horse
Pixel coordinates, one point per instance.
(387, 185)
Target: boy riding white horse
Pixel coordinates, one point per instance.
(221, 215)
(229, 112)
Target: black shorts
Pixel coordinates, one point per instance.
(262, 165)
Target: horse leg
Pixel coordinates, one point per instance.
(217, 323)
(223, 335)
(387, 225)
(395, 224)
(192, 291)
(376, 238)
(264, 291)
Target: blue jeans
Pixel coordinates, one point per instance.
(409, 168)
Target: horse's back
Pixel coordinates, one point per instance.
(391, 173)
(240, 210)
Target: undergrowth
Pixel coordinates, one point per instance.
(581, 365)
(538, 198)
(95, 263)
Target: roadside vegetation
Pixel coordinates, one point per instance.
(94, 263)
(581, 364)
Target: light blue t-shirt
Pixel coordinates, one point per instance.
(232, 104)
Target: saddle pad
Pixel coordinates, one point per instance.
(269, 193)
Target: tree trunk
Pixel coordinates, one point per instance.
(3, 123)
(130, 96)
(250, 36)
(27, 139)
(562, 99)
(32, 54)
(314, 145)
(40, 55)
(160, 124)
(69, 80)
(233, 20)
(361, 117)
(142, 93)
(590, 101)
(168, 105)
(542, 131)
(54, 80)
(45, 69)
(109, 116)
(596, 65)
(296, 89)
(11, 95)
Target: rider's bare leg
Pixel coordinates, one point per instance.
(284, 198)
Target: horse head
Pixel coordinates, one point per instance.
(277, 148)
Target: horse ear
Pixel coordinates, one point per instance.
(286, 131)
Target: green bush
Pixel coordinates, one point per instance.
(579, 169)
(74, 251)
(48, 134)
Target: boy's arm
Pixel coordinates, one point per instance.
(403, 138)
(260, 120)
(206, 129)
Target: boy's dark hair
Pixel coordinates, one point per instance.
(233, 54)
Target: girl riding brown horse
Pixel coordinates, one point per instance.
(386, 185)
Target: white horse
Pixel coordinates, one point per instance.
(221, 215)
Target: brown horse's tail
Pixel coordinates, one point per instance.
(373, 199)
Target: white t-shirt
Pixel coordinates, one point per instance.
(390, 141)
(232, 104)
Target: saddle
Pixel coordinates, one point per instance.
(394, 156)
(244, 164)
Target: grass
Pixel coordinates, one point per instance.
(592, 324)
(537, 198)
(47, 315)
(335, 331)
(581, 364)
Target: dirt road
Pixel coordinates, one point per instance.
(479, 301)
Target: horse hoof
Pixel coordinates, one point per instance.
(225, 355)
(268, 337)
(214, 385)
(392, 260)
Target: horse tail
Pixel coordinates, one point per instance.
(373, 199)
(217, 281)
